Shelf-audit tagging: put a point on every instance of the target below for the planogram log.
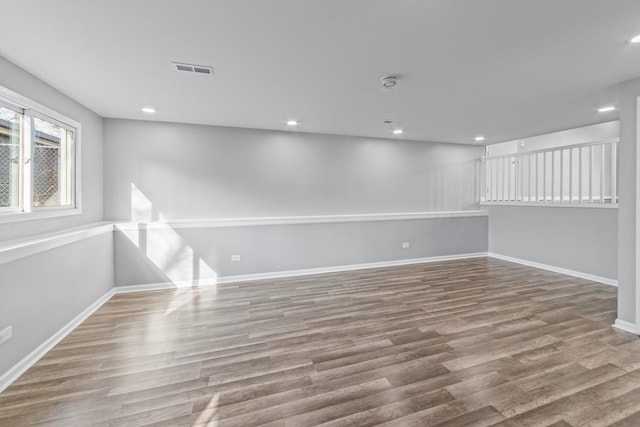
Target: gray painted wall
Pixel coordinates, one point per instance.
(20, 81)
(190, 171)
(185, 254)
(157, 171)
(580, 239)
(41, 293)
(628, 211)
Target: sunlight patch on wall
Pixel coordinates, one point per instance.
(164, 247)
(141, 206)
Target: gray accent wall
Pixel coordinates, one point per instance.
(191, 254)
(157, 170)
(20, 81)
(579, 239)
(165, 171)
(41, 293)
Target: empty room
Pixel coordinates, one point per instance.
(339, 213)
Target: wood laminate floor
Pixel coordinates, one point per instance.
(474, 342)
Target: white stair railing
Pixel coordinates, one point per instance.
(573, 174)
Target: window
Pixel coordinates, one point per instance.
(37, 161)
(10, 131)
(52, 164)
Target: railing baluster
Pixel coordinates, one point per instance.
(481, 181)
(537, 177)
(580, 177)
(521, 164)
(505, 195)
(488, 191)
(516, 181)
(497, 172)
(502, 180)
(491, 185)
(530, 174)
(553, 176)
(614, 171)
(488, 186)
(571, 175)
(561, 176)
(544, 177)
(498, 180)
(602, 174)
(591, 174)
(494, 181)
(509, 178)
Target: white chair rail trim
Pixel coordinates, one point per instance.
(16, 249)
(289, 220)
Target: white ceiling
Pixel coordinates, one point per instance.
(502, 68)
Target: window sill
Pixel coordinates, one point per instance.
(45, 213)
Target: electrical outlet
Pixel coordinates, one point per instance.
(406, 245)
(236, 258)
(6, 334)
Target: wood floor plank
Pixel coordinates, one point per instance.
(473, 342)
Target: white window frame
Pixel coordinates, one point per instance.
(30, 109)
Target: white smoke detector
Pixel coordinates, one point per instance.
(389, 82)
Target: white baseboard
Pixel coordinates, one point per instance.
(19, 368)
(290, 273)
(579, 274)
(623, 325)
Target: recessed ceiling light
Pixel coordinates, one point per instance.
(292, 123)
(636, 39)
(479, 138)
(606, 109)
(148, 110)
(398, 132)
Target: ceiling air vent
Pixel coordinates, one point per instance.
(190, 68)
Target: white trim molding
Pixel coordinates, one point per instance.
(291, 273)
(579, 274)
(623, 325)
(6, 218)
(16, 249)
(553, 205)
(28, 361)
(20, 248)
(288, 220)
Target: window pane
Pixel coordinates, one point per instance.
(52, 164)
(9, 158)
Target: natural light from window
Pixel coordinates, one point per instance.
(37, 161)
